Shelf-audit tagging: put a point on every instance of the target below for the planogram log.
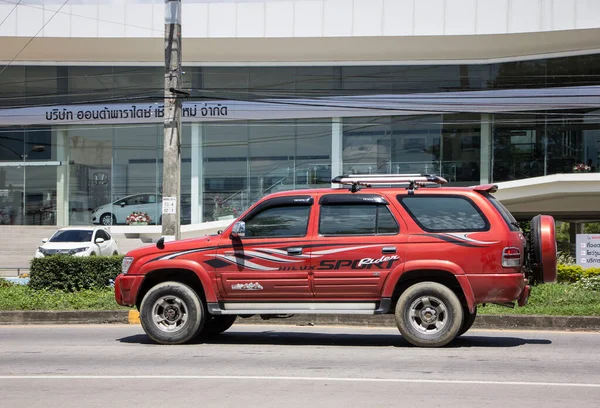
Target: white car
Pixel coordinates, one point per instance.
(118, 211)
(78, 241)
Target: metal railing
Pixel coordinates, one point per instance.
(20, 271)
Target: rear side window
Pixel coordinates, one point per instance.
(506, 215)
(444, 213)
(357, 219)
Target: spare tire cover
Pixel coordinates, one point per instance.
(543, 247)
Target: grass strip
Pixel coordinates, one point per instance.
(554, 299)
(550, 299)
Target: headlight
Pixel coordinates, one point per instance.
(76, 250)
(127, 261)
(41, 251)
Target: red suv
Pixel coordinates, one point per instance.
(381, 245)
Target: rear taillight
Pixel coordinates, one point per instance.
(511, 257)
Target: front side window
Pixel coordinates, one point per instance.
(285, 221)
(102, 234)
(356, 219)
(444, 213)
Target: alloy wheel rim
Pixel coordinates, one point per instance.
(169, 314)
(428, 315)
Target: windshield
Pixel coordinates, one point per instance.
(72, 236)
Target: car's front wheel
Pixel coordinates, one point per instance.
(429, 314)
(172, 313)
(108, 219)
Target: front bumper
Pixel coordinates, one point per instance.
(127, 288)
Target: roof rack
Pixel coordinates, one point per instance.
(368, 180)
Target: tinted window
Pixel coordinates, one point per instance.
(72, 236)
(289, 221)
(138, 199)
(506, 215)
(103, 235)
(356, 219)
(445, 213)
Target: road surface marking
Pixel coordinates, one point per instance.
(276, 378)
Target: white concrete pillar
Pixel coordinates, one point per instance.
(337, 148)
(61, 144)
(197, 174)
(487, 127)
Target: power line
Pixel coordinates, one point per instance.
(10, 12)
(32, 38)
(82, 16)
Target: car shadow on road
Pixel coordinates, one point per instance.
(283, 338)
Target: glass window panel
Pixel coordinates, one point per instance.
(279, 222)
(90, 176)
(455, 214)
(356, 220)
(225, 148)
(518, 146)
(12, 144)
(136, 169)
(460, 152)
(12, 87)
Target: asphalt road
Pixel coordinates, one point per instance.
(287, 366)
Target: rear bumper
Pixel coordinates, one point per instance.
(127, 288)
(499, 288)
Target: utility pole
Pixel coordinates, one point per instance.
(172, 130)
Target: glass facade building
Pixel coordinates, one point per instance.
(68, 149)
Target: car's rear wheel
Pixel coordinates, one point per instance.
(172, 313)
(542, 247)
(429, 314)
(216, 325)
(468, 320)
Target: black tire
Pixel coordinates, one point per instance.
(216, 325)
(469, 319)
(180, 313)
(107, 219)
(429, 314)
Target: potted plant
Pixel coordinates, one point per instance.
(138, 218)
(581, 168)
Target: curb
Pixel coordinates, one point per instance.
(567, 323)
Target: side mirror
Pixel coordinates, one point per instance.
(239, 230)
(44, 240)
(99, 240)
(122, 204)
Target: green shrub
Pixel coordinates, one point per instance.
(589, 283)
(574, 273)
(72, 274)
(5, 284)
(22, 297)
(564, 258)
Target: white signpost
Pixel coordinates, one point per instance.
(588, 250)
(169, 205)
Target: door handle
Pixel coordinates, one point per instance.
(294, 251)
(388, 250)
